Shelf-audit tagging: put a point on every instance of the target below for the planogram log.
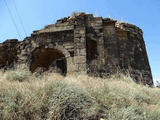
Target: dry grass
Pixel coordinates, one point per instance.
(75, 97)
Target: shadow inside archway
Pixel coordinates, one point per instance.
(44, 59)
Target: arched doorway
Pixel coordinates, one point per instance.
(48, 59)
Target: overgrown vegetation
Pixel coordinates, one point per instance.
(26, 96)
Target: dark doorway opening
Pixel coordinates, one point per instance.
(44, 59)
(92, 56)
(91, 50)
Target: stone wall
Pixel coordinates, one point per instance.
(8, 53)
(81, 43)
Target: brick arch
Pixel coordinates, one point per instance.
(47, 54)
(58, 47)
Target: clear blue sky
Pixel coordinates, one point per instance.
(35, 14)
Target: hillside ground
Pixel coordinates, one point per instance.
(27, 96)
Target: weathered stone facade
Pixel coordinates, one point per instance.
(81, 43)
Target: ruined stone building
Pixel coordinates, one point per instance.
(81, 43)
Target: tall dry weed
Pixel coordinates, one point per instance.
(76, 97)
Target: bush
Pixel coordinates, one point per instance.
(14, 105)
(18, 75)
(154, 115)
(69, 102)
(58, 101)
(133, 113)
(126, 113)
(103, 96)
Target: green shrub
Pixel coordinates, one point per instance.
(68, 102)
(18, 75)
(141, 97)
(16, 105)
(126, 113)
(103, 96)
(36, 74)
(11, 103)
(133, 113)
(154, 115)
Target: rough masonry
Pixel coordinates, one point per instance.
(81, 43)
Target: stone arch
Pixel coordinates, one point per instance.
(50, 57)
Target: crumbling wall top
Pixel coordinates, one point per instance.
(129, 27)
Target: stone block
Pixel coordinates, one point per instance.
(76, 67)
(50, 45)
(82, 52)
(82, 67)
(49, 40)
(79, 59)
(82, 32)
